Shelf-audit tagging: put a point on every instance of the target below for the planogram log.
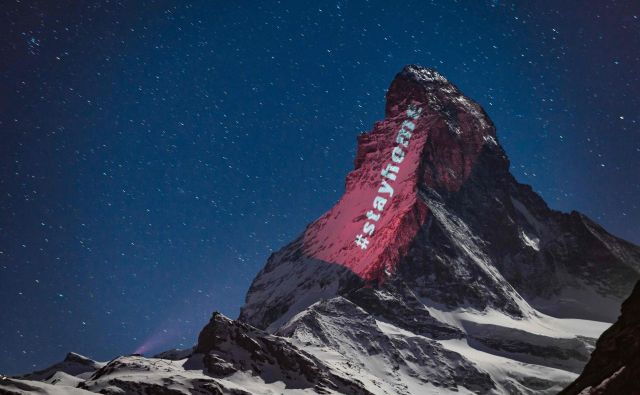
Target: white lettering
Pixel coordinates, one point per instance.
(379, 202)
(368, 228)
(390, 172)
(400, 139)
(409, 125)
(386, 188)
(397, 155)
(413, 112)
(372, 216)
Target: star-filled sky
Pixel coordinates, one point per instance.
(155, 153)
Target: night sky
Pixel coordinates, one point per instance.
(154, 153)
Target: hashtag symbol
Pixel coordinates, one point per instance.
(362, 241)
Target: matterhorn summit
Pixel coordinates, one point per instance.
(435, 273)
(452, 225)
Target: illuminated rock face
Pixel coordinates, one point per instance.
(432, 207)
(430, 137)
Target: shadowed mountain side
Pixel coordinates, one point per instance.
(291, 282)
(614, 367)
(562, 264)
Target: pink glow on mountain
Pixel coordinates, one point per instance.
(440, 155)
(331, 238)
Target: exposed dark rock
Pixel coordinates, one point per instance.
(230, 346)
(614, 367)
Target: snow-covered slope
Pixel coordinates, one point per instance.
(230, 357)
(337, 347)
(435, 273)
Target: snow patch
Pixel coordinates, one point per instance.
(532, 242)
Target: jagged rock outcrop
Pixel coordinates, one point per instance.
(614, 366)
(231, 357)
(358, 337)
(226, 347)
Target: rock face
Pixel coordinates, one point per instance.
(614, 366)
(461, 254)
(459, 229)
(435, 273)
(230, 346)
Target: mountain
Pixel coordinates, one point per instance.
(435, 273)
(614, 366)
(462, 258)
(458, 229)
(230, 357)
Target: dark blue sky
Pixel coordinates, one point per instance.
(154, 154)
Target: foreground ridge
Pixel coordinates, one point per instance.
(614, 366)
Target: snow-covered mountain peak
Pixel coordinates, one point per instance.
(423, 74)
(441, 240)
(435, 273)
